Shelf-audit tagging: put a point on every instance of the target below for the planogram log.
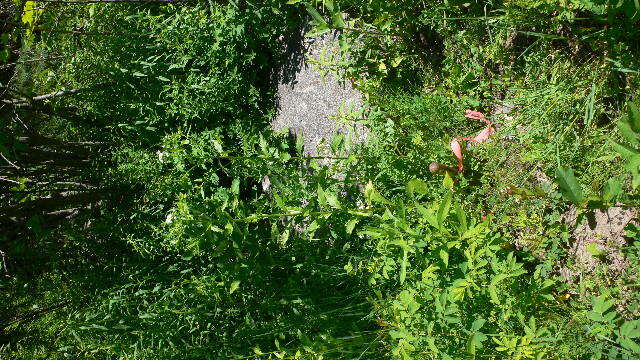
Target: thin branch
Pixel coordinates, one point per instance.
(12, 164)
(6, 66)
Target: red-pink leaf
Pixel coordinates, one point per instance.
(457, 151)
(484, 134)
(472, 114)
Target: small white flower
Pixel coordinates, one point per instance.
(161, 155)
(169, 219)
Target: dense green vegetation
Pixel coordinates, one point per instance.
(147, 211)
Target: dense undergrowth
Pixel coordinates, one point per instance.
(148, 211)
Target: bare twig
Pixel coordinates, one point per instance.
(10, 163)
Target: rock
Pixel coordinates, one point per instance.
(307, 101)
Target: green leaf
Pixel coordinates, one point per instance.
(328, 4)
(234, 286)
(493, 294)
(462, 218)
(478, 324)
(624, 150)
(627, 133)
(372, 195)
(338, 23)
(235, 186)
(633, 118)
(403, 267)
(316, 15)
(443, 210)
(475, 341)
(569, 186)
(447, 181)
(444, 256)
(429, 215)
(417, 186)
(299, 145)
(350, 225)
(332, 200)
(612, 190)
(588, 112)
(593, 249)
(630, 345)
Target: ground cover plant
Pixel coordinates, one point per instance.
(149, 212)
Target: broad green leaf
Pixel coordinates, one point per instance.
(337, 20)
(316, 15)
(612, 190)
(328, 4)
(444, 256)
(429, 215)
(333, 201)
(350, 225)
(478, 324)
(627, 133)
(234, 286)
(475, 232)
(417, 186)
(372, 195)
(447, 181)
(475, 342)
(569, 186)
(630, 345)
(624, 150)
(235, 186)
(428, 273)
(431, 342)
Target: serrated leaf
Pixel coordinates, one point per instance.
(447, 181)
(333, 201)
(493, 294)
(569, 186)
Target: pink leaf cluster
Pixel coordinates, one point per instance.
(483, 135)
